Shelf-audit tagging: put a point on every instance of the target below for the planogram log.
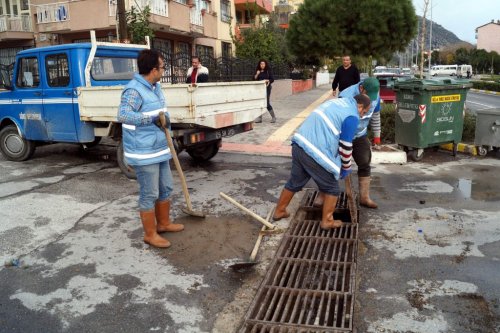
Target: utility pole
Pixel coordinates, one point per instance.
(422, 49)
(121, 21)
(430, 40)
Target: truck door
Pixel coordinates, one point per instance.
(58, 97)
(27, 100)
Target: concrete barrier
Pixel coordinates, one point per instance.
(322, 79)
(299, 86)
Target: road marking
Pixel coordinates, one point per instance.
(285, 131)
(485, 105)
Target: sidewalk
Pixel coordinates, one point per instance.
(274, 139)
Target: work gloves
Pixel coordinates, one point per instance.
(376, 141)
(345, 172)
(161, 121)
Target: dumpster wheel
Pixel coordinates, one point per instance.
(482, 151)
(416, 154)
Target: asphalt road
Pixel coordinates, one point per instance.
(427, 259)
(480, 101)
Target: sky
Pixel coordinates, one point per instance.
(461, 17)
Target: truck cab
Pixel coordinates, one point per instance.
(38, 102)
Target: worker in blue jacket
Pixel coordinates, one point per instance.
(145, 146)
(362, 153)
(321, 150)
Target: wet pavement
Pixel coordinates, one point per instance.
(428, 257)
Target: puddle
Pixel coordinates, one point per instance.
(481, 190)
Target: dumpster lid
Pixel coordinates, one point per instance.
(432, 84)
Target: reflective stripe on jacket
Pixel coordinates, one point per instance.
(146, 144)
(365, 120)
(319, 134)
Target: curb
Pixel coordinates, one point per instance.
(489, 92)
(462, 148)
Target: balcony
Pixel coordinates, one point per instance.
(20, 23)
(258, 6)
(15, 27)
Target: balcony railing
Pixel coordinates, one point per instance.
(15, 23)
(54, 12)
(195, 16)
(158, 7)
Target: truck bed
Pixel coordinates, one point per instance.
(213, 105)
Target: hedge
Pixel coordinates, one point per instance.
(486, 85)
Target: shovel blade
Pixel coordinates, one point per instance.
(243, 265)
(193, 212)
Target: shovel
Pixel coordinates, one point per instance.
(251, 261)
(189, 209)
(350, 199)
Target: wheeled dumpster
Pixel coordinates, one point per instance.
(429, 113)
(487, 130)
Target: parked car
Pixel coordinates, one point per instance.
(387, 93)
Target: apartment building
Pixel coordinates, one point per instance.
(181, 26)
(487, 36)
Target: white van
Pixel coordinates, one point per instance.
(443, 70)
(462, 71)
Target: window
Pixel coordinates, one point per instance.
(225, 11)
(182, 1)
(27, 73)
(25, 5)
(113, 69)
(204, 51)
(57, 70)
(227, 50)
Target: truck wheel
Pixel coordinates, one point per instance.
(205, 152)
(127, 170)
(13, 146)
(416, 154)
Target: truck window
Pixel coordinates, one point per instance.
(57, 70)
(27, 73)
(113, 69)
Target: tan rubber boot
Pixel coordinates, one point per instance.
(364, 193)
(151, 237)
(280, 211)
(327, 221)
(163, 223)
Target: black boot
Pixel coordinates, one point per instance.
(273, 117)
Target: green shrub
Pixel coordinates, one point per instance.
(387, 120)
(486, 85)
(469, 132)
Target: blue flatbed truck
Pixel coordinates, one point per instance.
(70, 93)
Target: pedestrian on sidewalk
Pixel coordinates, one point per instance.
(264, 72)
(321, 150)
(197, 73)
(345, 76)
(362, 153)
(145, 146)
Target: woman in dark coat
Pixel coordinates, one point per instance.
(264, 72)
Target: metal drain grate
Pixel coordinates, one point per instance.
(310, 284)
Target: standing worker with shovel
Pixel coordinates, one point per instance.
(321, 150)
(145, 146)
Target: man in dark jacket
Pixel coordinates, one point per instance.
(345, 76)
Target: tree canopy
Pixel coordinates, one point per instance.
(265, 41)
(362, 28)
(138, 24)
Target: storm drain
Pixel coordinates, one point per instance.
(309, 286)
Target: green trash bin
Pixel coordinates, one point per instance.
(429, 113)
